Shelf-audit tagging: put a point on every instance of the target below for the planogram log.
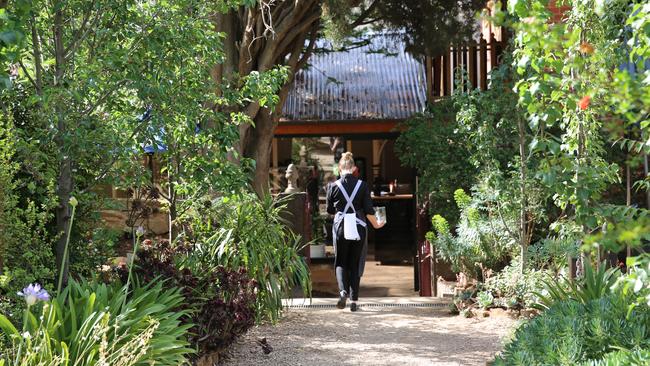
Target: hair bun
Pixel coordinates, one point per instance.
(346, 164)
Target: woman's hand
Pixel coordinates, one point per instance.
(373, 221)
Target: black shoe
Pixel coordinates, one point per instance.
(353, 306)
(341, 303)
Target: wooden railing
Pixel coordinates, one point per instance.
(476, 59)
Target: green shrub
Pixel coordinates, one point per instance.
(245, 231)
(623, 358)
(27, 212)
(570, 332)
(92, 248)
(484, 299)
(431, 143)
(481, 242)
(26, 254)
(517, 288)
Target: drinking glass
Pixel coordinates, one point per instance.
(380, 214)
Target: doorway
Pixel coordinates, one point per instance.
(391, 262)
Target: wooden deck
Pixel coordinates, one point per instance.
(377, 281)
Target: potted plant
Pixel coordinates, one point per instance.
(317, 245)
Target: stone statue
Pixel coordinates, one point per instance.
(292, 179)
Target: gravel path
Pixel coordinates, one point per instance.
(374, 336)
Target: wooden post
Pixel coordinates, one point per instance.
(465, 67)
(446, 90)
(493, 52)
(376, 158)
(472, 66)
(483, 62)
(424, 258)
(454, 66)
(437, 87)
(573, 267)
(429, 75)
(459, 63)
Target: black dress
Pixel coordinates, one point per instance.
(350, 254)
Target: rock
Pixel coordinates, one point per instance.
(498, 312)
(211, 359)
(527, 313)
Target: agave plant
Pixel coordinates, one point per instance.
(595, 284)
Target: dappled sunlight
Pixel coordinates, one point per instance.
(375, 336)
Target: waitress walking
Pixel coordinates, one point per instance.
(348, 199)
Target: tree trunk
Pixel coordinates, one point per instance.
(523, 235)
(255, 43)
(64, 179)
(173, 227)
(645, 170)
(259, 149)
(172, 199)
(64, 190)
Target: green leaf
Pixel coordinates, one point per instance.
(631, 261)
(7, 327)
(518, 7)
(11, 37)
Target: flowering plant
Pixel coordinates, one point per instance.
(34, 293)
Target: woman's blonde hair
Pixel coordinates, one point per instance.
(346, 164)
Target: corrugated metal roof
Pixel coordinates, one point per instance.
(360, 83)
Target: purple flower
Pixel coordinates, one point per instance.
(34, 293)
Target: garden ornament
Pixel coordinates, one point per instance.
(292, 179)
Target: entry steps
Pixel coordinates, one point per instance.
(369, 302)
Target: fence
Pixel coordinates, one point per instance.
(476, 59)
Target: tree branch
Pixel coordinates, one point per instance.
(72, 48)
(505, 225)
(364, 14)
(82, 28)
(104, 96)
(36, 49)
(247, 39)
(113, 160)
(310, 48)
(300, 29)
(22, 66)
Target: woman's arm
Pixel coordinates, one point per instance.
(370, 210)
(329, 201)
(376, 224)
